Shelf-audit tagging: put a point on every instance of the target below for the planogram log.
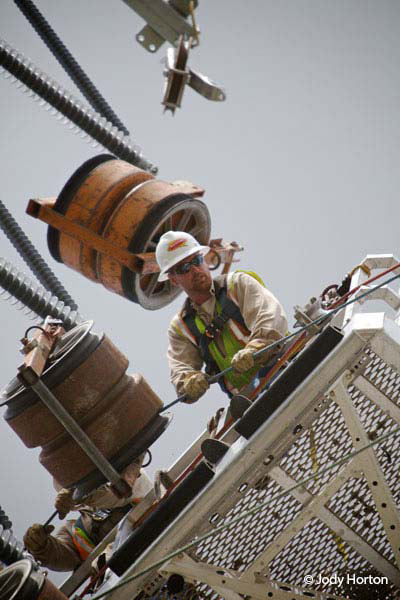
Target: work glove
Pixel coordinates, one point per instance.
(243, 360)
(195, 385)
(37, 536)
(64, 502)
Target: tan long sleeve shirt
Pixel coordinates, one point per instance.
(59, 552)
(262, 313)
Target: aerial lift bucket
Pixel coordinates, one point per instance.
(118, 412)
(115, 214)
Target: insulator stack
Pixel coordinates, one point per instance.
(118, 412)
(131, 209)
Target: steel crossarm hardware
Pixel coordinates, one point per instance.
(165, 23)
(368, 461)
(178, 75)
(226, 583)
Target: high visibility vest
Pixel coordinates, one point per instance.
(84, 539)
(81, 539)
(233, 331)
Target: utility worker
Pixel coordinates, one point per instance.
(223, 322)
(75, 540)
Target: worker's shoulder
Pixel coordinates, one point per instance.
(178, 329)
(176, 324)
(176, 319)
(243, 277)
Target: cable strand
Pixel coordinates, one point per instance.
(32, 258)
(68, 62)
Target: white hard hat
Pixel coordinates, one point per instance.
(173, 247)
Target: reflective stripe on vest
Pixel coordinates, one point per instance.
(81, 540)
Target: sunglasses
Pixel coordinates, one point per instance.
(185, 267)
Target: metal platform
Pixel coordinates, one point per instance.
(335, 536)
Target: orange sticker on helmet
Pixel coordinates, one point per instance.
(176, 244)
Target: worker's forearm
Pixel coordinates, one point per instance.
(183, 358)
(59, 554)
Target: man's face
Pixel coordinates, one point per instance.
(196, 279)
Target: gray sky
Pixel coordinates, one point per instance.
(300, 166)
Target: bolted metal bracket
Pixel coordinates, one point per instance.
(204, 86)
(311, 311)
(166, 21)
(178, 75)
(37, 350)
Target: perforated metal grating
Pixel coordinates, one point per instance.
(238, 546)
(354, 505)
(376, 423)
(327, 441)
(383, 377)
(316, 549)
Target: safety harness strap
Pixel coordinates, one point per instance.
(229, 310)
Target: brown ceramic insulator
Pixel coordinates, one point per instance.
(87, 375)
(50, 592)
(23, 581)
(130, 209)
(92, 204)
(124, 417)
(123, 224)
(83, 394)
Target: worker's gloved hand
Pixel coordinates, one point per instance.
(243, 360)
(37, 536)
(64, 502)
(195, 385)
